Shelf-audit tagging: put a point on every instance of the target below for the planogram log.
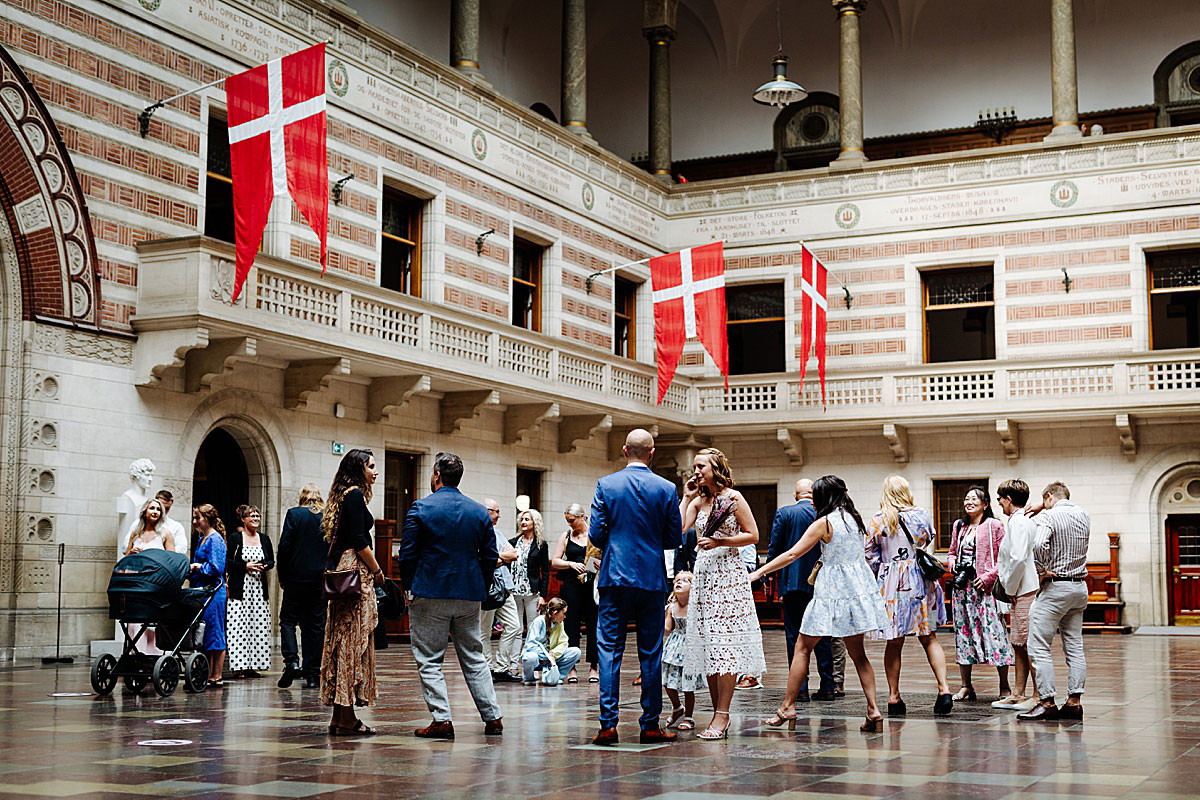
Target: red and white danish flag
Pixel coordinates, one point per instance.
(689, 301)
(814, 303)
(277, 148)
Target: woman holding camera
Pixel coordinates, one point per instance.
(979, 633)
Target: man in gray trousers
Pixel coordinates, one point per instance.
(447, 558)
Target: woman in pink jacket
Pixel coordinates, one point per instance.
(979, 633)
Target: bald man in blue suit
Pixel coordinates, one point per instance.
(635, 517)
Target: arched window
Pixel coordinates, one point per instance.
(806, 133)
(1177, 87)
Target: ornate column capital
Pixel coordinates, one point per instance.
(850, 6)
(659, 34)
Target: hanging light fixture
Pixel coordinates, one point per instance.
(779, 91)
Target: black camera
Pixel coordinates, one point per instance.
(963, 575)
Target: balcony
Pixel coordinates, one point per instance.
(322, 328)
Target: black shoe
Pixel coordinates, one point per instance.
(312, 683)
(943, 705)
(899, 709)
(289, 674)
(503, 676)
(826, 696)
(803, 697)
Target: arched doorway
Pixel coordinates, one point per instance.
(1180, 508)
(221, 476)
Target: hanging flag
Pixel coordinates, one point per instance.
(813, 305)
(689, 301)
(277, 148)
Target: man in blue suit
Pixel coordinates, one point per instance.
(447, 557)
(794, 590)
(635, 517)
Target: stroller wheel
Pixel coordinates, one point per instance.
(196, 672)
(135, 683)
(165, 675)
(104, 677)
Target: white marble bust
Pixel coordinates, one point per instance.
(129, 505)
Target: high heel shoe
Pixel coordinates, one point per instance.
(872, 725)
(780, 718)
(943, 705)
(711, 734)
(897, 709)
(966, 693)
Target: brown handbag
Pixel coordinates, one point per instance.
(341, 584)
(812, 576)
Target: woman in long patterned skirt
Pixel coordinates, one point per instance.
(348, 660)
(724, 638)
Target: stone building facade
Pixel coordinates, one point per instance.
(118, 339)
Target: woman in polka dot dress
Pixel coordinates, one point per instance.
(249, 628)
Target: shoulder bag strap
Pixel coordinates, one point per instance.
(904, 528)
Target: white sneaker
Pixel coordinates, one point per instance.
(1005, 702)
(1027, 705)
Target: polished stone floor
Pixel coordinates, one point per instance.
(1140, 740)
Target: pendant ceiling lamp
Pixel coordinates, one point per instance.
(779, 91)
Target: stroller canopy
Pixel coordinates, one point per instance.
(151, 572)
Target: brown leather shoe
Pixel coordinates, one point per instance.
(436, 730)
(1068, 711)
(494, 728)
(656, 735)
(1040, 713)
(606, 736)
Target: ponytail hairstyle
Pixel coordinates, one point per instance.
(555, 605)
(351, 474)
(830, 495)
(210, 515)
(897, 497)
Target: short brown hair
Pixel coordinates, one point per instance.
(1058, 490)
(244, 511)
(1016, 490)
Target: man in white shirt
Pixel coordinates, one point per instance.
(506, 615)
(1018, 576)
(180, 537)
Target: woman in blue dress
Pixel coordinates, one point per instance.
(209, 569)
(846, 603)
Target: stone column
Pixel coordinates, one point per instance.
(850, 83)
(660, 100)
(464, 36)
(574, 66)
(1064, 87)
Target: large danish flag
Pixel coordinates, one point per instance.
(814, 303)
(277, 148)
(689, 301)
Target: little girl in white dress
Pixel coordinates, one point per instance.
(675, 679)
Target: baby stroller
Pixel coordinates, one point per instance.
(146, 592)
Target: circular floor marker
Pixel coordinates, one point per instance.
(180, 721)
(69, 694)
(163, 742)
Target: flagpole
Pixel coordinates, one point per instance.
(590, 278)
(849, 297)
(148, 111)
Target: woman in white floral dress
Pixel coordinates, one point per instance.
(724, 638)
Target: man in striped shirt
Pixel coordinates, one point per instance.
(1060, 554)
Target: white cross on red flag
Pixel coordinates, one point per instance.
(689, 301)
(814, 302)
(277, 148)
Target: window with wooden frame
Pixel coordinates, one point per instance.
(1174, 299)
(756, 323)
(948, 506)
(625, 318)
(218, 189)
(527, 284)
(960, 318)
(400, 245)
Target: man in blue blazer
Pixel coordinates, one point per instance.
(794, 590)
(447, 557)
(635, 517)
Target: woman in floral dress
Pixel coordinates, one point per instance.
(915, 606)
(724, 639)
(979, 633)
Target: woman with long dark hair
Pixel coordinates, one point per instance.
(979, 633)
(207, 570)
(348, 660)
(846, 601)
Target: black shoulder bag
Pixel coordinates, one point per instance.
(927, 563)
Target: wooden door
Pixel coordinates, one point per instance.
(1183, 567)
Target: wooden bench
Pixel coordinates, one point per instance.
(1105, 608)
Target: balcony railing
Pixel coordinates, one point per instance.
(333, 315)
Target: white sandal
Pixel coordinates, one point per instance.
(676, 715)
(711, 734)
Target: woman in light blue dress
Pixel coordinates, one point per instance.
(846, 601)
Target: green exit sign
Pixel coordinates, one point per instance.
(338, 448)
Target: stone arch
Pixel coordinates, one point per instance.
(11, 420)
(43, 204)
(1176, 96)
(1151, 484)
(264, 441)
